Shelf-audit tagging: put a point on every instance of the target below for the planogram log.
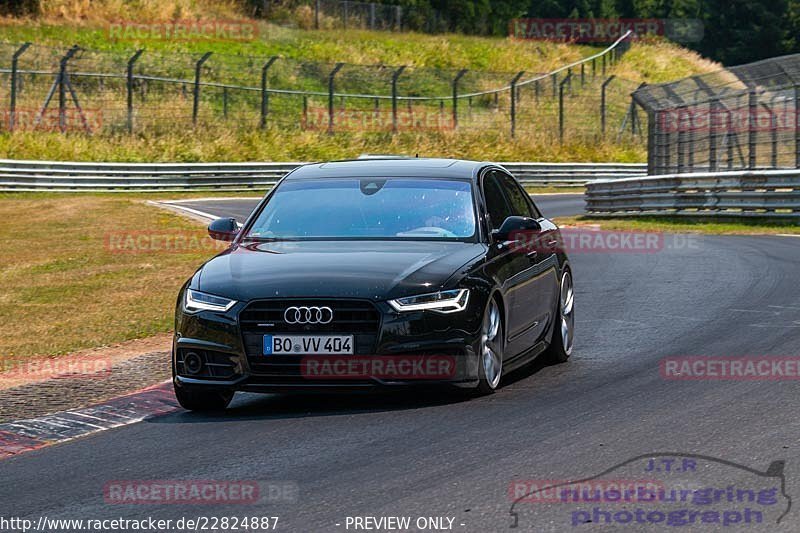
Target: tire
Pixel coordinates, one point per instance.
(198, 399)
(490, 358)
(562, 339)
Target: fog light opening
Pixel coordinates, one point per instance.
(193, 363)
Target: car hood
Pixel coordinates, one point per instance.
(375, 270)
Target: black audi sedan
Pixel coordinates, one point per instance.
(375, 273)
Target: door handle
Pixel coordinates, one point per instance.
(533, 254)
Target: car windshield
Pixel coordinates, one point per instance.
(368, 208)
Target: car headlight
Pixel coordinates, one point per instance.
(440, 302)
(200, 301)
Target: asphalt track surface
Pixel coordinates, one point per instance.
(431, 454)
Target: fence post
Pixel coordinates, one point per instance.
(514, 102)
(603, 89)
(346, 12)
(264, 92)
(555, 84)
(561, 106)
(583, 74)
(316, 15)
(455, 96)
(131, 62)
(331, 109)
(797, 126)
(398, 12)
(652, 147)
(729, 127)
(712, 135)
(773, 128)
(395, 76)
(604, 65)
(13, 101)
(196, 100)
(752, 104)
(62, 88)
(372, 15)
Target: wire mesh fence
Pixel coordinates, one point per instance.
(744, 117)
(76, 90)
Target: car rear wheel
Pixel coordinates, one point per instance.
(564, 329)
(198, 399)
(490, 364)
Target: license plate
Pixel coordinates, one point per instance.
(308, 344)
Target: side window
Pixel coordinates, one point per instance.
(517, 198)
(496, 205)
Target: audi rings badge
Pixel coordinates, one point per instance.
(308, 315)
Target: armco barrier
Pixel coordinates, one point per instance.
(75, 177)
(772, 193)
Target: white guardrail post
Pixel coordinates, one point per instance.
(16, 175)
(746, 193)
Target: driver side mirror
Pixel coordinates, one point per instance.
(513, 225)
(223, 229)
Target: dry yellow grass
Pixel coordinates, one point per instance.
(144, 10)
(65, 288)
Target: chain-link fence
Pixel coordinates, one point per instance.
(744, 117)
(48, 88)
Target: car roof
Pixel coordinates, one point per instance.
(390, 167)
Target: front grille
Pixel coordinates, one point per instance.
(359, 318)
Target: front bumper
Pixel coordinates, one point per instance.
(410, 343)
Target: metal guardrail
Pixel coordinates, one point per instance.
(76, 177)
(770, 193)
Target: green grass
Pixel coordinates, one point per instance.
(448, 51)
(700, 224)
(66, 287)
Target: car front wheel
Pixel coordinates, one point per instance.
(490, 364)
